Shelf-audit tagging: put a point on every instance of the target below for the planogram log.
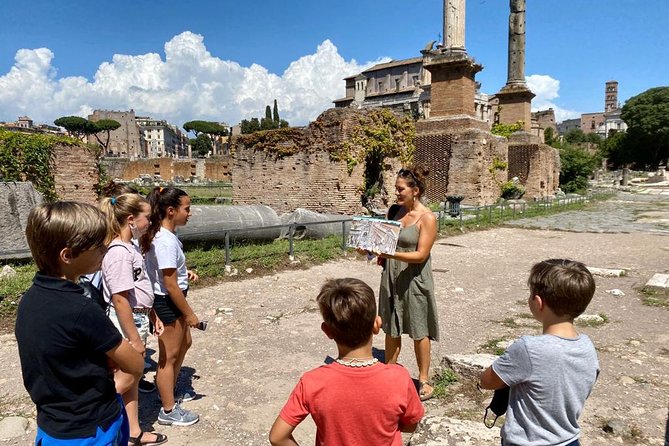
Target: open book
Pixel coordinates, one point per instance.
(374, 234)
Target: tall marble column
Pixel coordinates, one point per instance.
(516, 67)
(454, 25)
(515, 99)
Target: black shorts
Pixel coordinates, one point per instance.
(165, 308)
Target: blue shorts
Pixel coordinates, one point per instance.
(117, 434)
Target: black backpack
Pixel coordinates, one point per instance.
(92, 286)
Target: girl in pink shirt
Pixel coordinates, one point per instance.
(127, 287)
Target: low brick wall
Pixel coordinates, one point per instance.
(213, 169)
(537, 166)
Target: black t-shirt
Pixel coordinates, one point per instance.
(62, 338)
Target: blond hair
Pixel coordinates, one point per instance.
(118, 209)
(63, 224)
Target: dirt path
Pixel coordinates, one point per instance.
(264, 333)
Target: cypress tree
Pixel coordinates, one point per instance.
(276, 114)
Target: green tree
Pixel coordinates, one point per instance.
(75, 125)
(275, 115)
(268, 114)
(201, 145)
(506, 130)
(549, 136)
(577, 165)
(647, 119)
(283, 124)
(575, 136)
(106, 126)
(211, 129)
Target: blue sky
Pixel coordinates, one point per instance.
(224, 60)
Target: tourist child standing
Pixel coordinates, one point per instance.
(166, 265)
(355, 400)
(67, 345)
(552, 374)
(127, 287)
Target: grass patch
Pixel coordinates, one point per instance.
(264, 258)
(492, 348)
(655, 297)
(442, 381)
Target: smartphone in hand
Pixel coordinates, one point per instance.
(202, 325)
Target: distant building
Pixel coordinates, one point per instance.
(126, 141)
(593, 123)
(567, 125)
(26, 125)
(402, 85)
(612, 120)
(161, 138)
(546, 120)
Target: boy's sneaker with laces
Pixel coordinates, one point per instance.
(177, 417)
(146, 386)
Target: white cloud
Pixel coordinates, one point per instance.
(188, 83)
(546, 90)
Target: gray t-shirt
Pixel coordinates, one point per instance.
(550, 378)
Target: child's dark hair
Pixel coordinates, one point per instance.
(348, 308)
(160, 199)
(565, 285)
(64, 224)
(414, 177)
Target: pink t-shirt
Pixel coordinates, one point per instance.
(355, 406)
(123, 269)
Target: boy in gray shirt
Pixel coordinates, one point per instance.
(550, 375)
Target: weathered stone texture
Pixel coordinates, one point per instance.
(75, 173)
(460, 159)
(213, 169)
(17, 199)
(537, 166)
(453, 88)
(296, 170)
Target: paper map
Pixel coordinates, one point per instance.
(374, 234)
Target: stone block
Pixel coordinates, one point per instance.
(468, 366)
(607, 272)
(658, 281)
(17, 199)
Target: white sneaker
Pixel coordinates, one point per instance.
(177, 417)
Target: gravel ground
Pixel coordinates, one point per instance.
(264, 332)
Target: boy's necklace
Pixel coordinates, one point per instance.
(356, 362)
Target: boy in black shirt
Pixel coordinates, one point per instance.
(67, 345)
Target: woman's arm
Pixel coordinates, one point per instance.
(177, 296)
(126, 320)
(426, 238)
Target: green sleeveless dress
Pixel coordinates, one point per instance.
(406, 299)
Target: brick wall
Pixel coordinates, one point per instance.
(459, 157)
(291, 169)
(213, 169)
(75, 173)
(453, 90)
(537, 166)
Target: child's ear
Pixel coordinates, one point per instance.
(377, 325)
(539, 302)
(326, 330)
(65, 255)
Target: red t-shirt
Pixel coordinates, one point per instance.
(355, 406)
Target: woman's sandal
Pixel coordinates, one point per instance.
(137, 441)
(423, 393)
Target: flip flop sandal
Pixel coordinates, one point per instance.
(137, 441)
(422, 393)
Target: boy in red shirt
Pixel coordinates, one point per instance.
(355, 400)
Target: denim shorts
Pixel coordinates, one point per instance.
(141, 322)
(165, 308)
